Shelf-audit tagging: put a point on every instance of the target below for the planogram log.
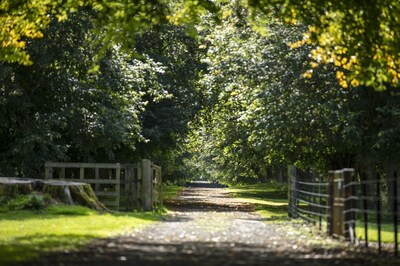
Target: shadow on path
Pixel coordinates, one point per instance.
(208, 227)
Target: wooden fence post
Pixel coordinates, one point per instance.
(81, 172)
(338, 203)
(48, 171)
(331, 177)
(97, 177)
(161, 190)
(341, 220)
(395, 214)
(118, 185)
(292, 191)
(349, 205)
(147, 185)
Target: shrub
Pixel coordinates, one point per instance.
(28, 202)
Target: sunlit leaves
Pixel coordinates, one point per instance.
(24, 20)
(117, 21)
(359, 37)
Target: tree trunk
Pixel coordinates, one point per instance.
(65, 192)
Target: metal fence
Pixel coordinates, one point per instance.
(352, 204)
(373, 206)
(308, 199)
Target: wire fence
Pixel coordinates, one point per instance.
(308, 199)
(374, 208)
(356, 205)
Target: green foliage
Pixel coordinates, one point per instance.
(22, 21)
(28, 202)
(54, 110)
(234, 103)
(165, 122)
(34, 202)
(261, 114)
(359, 38)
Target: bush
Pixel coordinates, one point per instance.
(28, 202)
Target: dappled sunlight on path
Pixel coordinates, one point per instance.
(208, 227)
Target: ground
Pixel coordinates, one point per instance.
(208, 227)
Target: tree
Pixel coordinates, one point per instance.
(54, 110)
(359, 37)
(117, 21)
(165, 123)
(261, 115)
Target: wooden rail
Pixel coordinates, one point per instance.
(104, 178)
(132, 186)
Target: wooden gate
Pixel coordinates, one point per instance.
(157, 199)
(133, 186)
(129, 187)
(103, 177)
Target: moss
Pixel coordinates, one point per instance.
(84, 195)
(56, 192)
(13, 190)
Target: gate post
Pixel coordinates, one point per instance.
(292, 191)
(147, 185)
(349, 205)
(336, 203)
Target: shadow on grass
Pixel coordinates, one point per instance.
(31, 247)
(25, 234)
(55, 211)
(136, 252)
(270, 195)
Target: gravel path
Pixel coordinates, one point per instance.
(208, 227)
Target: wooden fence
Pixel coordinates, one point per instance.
(119, 187)
(365, 199)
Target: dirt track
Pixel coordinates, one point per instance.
(208, 227)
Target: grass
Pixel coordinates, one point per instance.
(170, 191)
(387, 232)
(269, 199)
(26, 234)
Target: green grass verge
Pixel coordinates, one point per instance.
(269, 199)
(387, 232)
(26, 234)
(171, 191)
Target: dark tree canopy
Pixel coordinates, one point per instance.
(231, 90)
